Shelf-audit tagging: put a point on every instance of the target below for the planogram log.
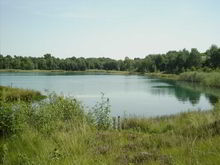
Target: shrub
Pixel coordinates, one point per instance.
(45, 116)
(10, 122)
(3, 153)
(51, 114)
(101, 114)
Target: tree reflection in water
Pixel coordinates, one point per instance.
(185, 91)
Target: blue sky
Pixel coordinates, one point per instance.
(107, 28)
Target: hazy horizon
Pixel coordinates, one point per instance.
(114, 29)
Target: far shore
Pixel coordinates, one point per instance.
(69, 71)
(206, 79)
(156, 74)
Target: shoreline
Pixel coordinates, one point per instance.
(205, 79)
(63, 129)
(69, 71)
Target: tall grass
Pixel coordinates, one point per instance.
(9, 94)
(211, 79)
(208, 79)
(59, 131)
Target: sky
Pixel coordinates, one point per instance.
(107, 28)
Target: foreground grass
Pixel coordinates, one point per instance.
(61, 132)
(189, 138)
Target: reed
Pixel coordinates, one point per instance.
(211, 79)
(10, 94)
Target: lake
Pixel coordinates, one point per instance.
(128, 94)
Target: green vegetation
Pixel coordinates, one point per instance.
(171, 62)
(191, 66)
(164, 75)
(59, 131)
(64, 71)
(9, 94)
(208, 79)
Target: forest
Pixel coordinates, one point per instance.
(171, 62)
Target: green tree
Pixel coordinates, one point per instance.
(195, 59)
(214, 56)
(27, 64)
(1, 61)
(128, 63)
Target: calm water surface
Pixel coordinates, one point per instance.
(128, 94)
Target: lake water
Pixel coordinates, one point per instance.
(128, 94)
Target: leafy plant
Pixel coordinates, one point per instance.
(8, 120)
(3, 153)
(101, 113)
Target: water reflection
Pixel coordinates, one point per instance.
(184, 92)
(135, 94)
(212, 99)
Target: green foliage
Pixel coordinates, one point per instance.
(24, 160)
(11, 118)
(186, 138)
(101, 114)
(8, 120)
(213, 57)
(171, 62)
(8, 94)
(3, 153)
(51, 115)
(14, 106)
(58, 131)
(195, 124)
(45, 116)
(211, 79)
(194, 59)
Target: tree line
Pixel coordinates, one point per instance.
(171, 62)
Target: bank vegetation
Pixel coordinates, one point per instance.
(59, 130)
